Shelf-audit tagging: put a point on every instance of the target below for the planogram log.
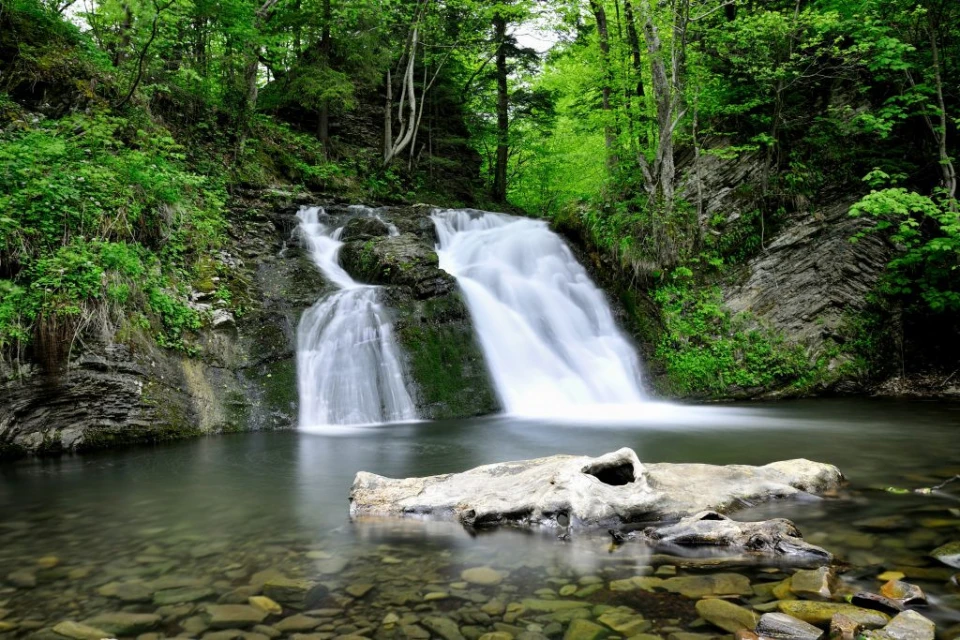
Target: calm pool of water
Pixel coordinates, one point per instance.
(210, 514)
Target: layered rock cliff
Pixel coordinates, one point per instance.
(123, 389)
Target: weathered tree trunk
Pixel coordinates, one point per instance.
(408, 97)
(600, 14)
(503, 122)
(947, 168)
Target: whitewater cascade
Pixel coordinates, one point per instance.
(349, 370)
(547, 332)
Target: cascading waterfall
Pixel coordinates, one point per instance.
(349, 370)
(547, 332)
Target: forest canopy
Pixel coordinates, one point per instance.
(128, 124)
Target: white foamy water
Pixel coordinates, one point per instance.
(349, 370)
(547, 332)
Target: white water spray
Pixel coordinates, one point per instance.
(349, 370)
(547, 332)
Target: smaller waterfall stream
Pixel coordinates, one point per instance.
(349, 370)
(547, 332)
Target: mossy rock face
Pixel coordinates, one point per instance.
(404, 260)
(443, 356)
(364, 229)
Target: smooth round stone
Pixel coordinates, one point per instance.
(484, 576)
(948, 554)
(568, 590)
(726, 615)
(265, 604)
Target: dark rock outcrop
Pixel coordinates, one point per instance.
(403, 260)
(431, 320)
(122, 389)
(810, 276)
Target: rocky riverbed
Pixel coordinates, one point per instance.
(150, 578)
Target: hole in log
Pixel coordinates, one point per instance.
(616, 473)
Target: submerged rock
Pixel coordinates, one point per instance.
(484, 576)
(122, 623)
(584, 491)
(778, 537)
(908, 625)
(820, 613)
(726, 615)
(296, 594)
(948, 554)
(780, 626)
(716, 584)
(77, 631)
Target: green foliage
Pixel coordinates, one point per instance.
(707, 350)
(100, 211)
(927, 234)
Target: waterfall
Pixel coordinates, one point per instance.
(547, 332)
(349, 369)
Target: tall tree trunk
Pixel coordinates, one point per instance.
(600, 14)
(503, 122)
(947, 168)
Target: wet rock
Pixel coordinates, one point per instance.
(497, 635)
(78, 631)
(298, 622)
(178, 596)
(127, 591)
(726, 615)
(909, 625)
(194, 625)
(717, 584)
(815, 584)
(260, 578)
(844, 627)
(333, 566)
(568, 590)
(552, 606)
(403, 260)
(883, 523)
(266, 630)
(904, 592)
(48, 562)
(778, 538)
(820, 613)
(363, 228)
(240, 595)
(233, 616)
(22, 578)
(484, 576)
(645, 583)
(494, 608)
(296, 594)
(686, 635)
(587, 492)
(877, 603)
(780, 626)
(414, 632)
(443, 627)
(122, 623)
(360, 589)
(626, 623)
(886, 576)
(265, 604)
(948, 554)
(585, 630)
(177, 582)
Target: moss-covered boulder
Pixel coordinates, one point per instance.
(431, 320)
(363, 228)
(404, 260)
